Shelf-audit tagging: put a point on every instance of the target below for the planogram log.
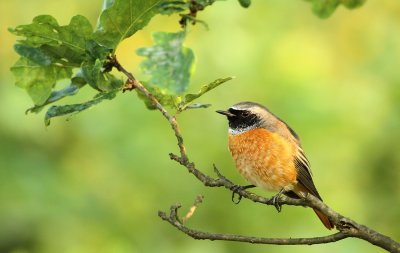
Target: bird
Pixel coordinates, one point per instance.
(268, 154)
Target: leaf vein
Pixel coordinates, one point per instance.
(134, 22)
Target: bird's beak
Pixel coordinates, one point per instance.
(226, 113)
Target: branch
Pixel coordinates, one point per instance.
(132, 83)
(174, 221)
(346, 226)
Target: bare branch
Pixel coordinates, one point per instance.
(346, 226)
(172, 218)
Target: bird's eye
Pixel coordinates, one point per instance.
(245, 114)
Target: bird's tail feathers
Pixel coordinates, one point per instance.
(324, 219)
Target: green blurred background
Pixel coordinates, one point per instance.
(94, 183)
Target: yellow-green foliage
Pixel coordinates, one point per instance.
(96, 182)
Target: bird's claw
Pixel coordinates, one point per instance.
(236, 189)
(276, 202)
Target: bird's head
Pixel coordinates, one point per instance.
(245, 116)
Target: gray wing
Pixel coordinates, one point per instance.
(304, 173)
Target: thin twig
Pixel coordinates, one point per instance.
(346, 226)
(193, 208)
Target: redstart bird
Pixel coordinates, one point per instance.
(268, 153)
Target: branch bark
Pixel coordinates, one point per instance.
(346, 226)
(173, 219)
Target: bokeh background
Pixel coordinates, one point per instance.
(94, 183)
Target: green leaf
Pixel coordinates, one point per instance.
(168, 62)
(196, 106)
(206, 88)
(92, 72)
(96, 51)
(171, 7)
(76, 83)
(162, 95)
(325, 8)
(45, 42)
(120, 19)
(49, 52)
(97, 79)
(245, 3)
(107, 4)
(38, 80)
(68, 42)
(56, 111)
(351, 4)
(36, 55)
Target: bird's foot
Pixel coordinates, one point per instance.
(276, 201)
(236, 189)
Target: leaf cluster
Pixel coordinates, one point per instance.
(57, 61)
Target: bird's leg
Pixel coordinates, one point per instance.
(236, 189)
(275, 200)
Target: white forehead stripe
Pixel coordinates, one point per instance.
(235, 108)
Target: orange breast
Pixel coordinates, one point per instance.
(264, 158)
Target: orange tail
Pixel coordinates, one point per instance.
(325, 220)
